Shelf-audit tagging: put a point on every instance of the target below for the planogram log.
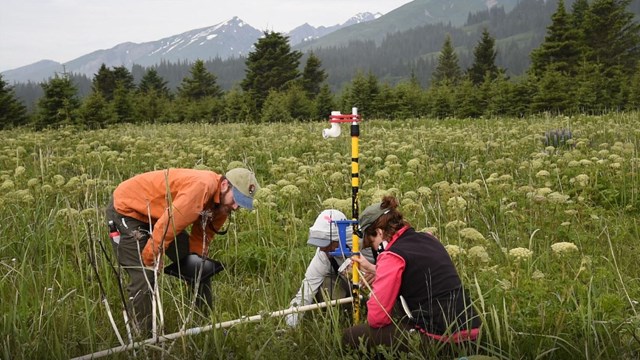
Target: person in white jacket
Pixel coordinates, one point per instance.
(323, 270)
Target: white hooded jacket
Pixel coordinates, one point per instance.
(320, 266)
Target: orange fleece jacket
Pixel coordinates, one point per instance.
(191, 193)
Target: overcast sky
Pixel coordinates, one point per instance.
(62, 30)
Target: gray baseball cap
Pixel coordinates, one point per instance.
(369, 216)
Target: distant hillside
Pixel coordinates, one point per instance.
(411, 15)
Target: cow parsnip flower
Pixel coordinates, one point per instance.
(7, 185)
(543, 174)
(520, 254)
(382, 174)
(19, 171)
(73, 182)
(337, 177)
(391, 159)
(537, 275)
(505, 284)
(431, 230)
(58, 180)
(414, 164)
(455, 225)
(479, 253)
(564, 248)
(585, 263)
(290, 191)
(442, 186)
(457, 203)
(557, 198)
(67, 212)
(454, 250)
(424, 191)
(471, 234)
(411, 195)
(581, 180)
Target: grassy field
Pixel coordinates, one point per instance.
(545, 238)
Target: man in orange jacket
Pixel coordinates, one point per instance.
(152, 212)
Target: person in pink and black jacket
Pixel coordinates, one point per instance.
(413, 270)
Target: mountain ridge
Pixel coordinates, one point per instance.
(228, 39)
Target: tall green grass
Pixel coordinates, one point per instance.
(488, 188)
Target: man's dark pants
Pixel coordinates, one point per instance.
(134, 235)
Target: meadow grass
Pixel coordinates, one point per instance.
(545, 239)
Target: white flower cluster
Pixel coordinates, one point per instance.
(564, 248)
(455, 224)
(581, 180)
(543, 174)
(537, 275)
(557, 198)
(479, 253)
(290, 191)
(457, 203)
(471, 234)
(454, 250)
(520, 253)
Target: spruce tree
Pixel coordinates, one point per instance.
(299, 105)
(275, 108)
(104, 82)
(499, 97)
(124, 78)
(12, 112)
(324, 103)
(408, 96)
(123, 103)
(363, 94)
(238, 107)
(448, 69)
(554, 93)
(579, 10)
(484, 60)
(468, 100)
(95, 112)
(270, 67)
(634, 91)
(200, 85)
(59, 104)
(612, 36)
(560, 50)
(313, 76)
(152, 82)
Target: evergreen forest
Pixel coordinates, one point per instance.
(586, 62)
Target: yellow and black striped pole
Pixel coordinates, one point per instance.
(355, 185)
(335, 120)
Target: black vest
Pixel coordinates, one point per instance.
(431, 285)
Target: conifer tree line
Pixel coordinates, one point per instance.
(587, 63)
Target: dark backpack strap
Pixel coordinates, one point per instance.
(334, 264)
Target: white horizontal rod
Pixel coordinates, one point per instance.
(221, 325)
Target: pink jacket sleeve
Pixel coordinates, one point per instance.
(386, 287)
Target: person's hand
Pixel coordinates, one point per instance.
(292, 319)
(367, 269)
(365, 265)
(152, 265)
